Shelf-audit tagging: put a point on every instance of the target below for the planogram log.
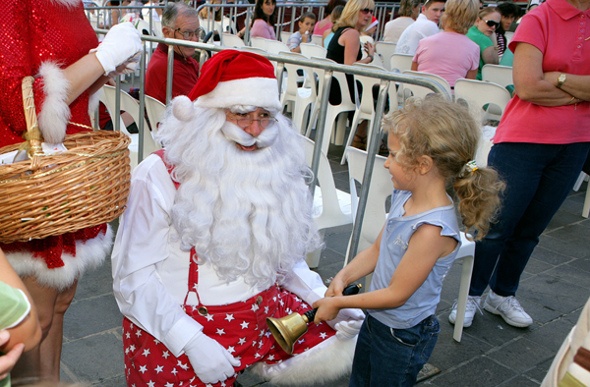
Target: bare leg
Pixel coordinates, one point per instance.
(52, 345)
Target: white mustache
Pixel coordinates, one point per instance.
(234, 133)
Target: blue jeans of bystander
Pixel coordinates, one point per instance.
(538, 179)
(391, 357)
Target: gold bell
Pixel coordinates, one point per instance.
(288, 329)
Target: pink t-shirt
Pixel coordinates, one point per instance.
(447, 54)
(262, 29)
(559, 31)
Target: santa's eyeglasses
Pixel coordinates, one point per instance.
(244, 120)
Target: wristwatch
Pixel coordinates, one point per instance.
(561, 80)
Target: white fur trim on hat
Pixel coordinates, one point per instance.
(55, 112)
(89, 254)
(258, 91)
(325, 362)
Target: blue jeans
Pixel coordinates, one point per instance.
(538, 179)
(391, 357)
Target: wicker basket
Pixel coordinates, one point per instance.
(55, 194)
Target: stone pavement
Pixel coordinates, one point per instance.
(554, 288)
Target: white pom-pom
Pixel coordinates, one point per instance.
(182, 108)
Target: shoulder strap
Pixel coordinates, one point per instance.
(170, 168)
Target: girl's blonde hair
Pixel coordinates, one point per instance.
(460, 15)
(447, 133)
(350, 13)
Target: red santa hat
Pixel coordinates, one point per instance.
(234, 77)
(374, 23)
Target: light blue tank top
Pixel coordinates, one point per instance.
(394, 243)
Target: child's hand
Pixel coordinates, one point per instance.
(335, 289)
(8, 360)
(327, 309)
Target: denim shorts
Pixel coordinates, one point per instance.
(386, 356)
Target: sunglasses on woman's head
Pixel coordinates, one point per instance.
(492, 23)
(367, 10)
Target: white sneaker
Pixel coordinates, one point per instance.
(473, 305)
(509, 309)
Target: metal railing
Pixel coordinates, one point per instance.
(383, 76)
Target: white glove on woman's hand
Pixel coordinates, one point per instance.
(212, 363)
(346, 330)
(119, 45)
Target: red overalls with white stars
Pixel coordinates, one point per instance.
(239, 327)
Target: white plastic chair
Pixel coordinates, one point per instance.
(586, 209)
(155, 111)
(258, 42)
(486, 98)
(285, 35)
(385, 51)
(336, 117)
(312, 50)
(331, 207)
(300, 97)
(502, 75)
(366, 106)
(400, 62)
(421, 91)
(317, 39)
(131, 106)
(375, 215)
(231, 40)
(276, 47)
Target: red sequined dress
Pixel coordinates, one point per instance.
(41, 38)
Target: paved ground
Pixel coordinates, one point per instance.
(554, 288)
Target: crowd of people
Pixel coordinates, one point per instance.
(218, 223)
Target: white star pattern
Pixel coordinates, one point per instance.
(174, 371)
(257, 355)
(209, 317)
(229, 317)
(244, 324)
(151, 384)
(169, 384)
(165, 354)
(266, 309)
(323, 335)
(146, 352)
(182, 365)
(159, 369)
(138, 333)
(132, 348)
(255, 307)
(271, 357)
(127, 335)
(143, 369)
(242, 341)
(220, 331)
(231, 349)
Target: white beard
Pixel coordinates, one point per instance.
(247, 213)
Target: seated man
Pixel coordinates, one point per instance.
(214, 238)
(178, 22)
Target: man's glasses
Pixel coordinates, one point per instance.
(367, 11)
(244, 120)
(492, 23)
(187, 35)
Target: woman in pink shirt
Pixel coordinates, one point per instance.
(264, 19)
(450, 54)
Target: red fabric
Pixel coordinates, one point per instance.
(240, 328)
(185, 74)
(26, 41)
(230, 65)
(50, 249)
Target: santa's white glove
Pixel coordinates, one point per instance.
(212, 363)
(346, 330)
(120, 45)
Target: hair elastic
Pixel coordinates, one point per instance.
(472, 166)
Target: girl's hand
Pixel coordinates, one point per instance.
(327, 309)
(336, 287)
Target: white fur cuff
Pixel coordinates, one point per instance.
(55, 111)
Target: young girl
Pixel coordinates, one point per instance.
(431, 145)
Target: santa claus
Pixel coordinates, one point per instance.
(214, 238)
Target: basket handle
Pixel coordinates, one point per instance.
(33, 134)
